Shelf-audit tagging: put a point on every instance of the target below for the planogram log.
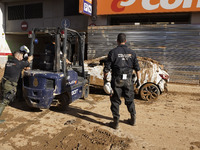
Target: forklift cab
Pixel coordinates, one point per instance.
(57, 72)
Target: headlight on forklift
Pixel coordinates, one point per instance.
(50, 83)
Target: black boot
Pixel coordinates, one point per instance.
(115, 123)
(132, 120)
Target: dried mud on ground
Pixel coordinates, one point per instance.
(170, 123)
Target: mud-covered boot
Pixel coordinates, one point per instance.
(2, 107)
(132, 120)
(114, 124)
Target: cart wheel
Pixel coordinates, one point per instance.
(64, 100)
(86, 91)
(149, 92)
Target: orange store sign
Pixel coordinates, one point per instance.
(106, 7)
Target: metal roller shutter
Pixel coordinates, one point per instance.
(177, 47)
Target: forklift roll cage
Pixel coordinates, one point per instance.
(66, 34)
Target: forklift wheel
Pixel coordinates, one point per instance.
(64, 100)
(86, 91)
(30, 108)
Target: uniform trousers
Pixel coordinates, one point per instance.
(8, 91)
(122, 88)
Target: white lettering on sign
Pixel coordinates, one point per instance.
(87, 8)
(128, 3)
(24, 26)
(165, 4)
(187, 3)
(146, 4)
(198, 4)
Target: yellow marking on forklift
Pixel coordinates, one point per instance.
(35, 82)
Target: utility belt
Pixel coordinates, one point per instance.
(122, 74)
(123, 77)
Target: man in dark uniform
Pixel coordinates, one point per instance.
(25, 51)
(50, 52)
(122, 61)
(11, 76)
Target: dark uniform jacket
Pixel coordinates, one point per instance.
(13, 69)
(121, 60)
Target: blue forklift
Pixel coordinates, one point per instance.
(57, 75)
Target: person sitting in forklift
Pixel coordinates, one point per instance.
(10, 79)
(68, 62)
(51, 47)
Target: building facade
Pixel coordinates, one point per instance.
(119, 12)
(170, 27)
(17, 17)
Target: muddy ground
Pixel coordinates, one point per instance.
(170, 123)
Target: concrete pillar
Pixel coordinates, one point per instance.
(4, 48)
(195, 18)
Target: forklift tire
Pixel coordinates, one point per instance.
(86, 91)
(64, 100)
(30, 108)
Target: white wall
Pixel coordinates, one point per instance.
(3, 44)
(2, 19)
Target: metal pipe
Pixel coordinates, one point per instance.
(32, 47)
(57, 53)
(82, 49)
(64, 52)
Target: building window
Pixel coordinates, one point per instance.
(16, 12)
(28, 11)
(33, 11)
(71, 7)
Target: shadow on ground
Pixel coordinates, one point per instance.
(83, 114)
